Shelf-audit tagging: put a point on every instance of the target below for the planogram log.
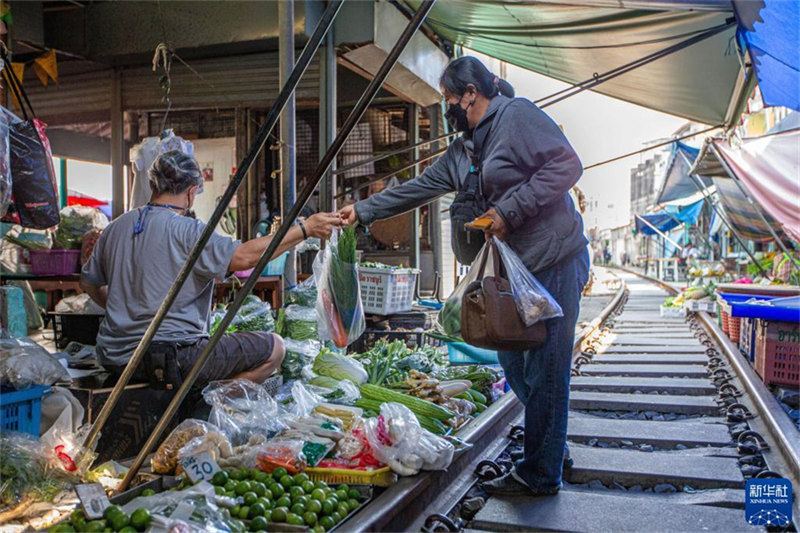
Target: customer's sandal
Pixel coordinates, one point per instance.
(512, 485)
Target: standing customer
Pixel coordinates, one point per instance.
(526, 171)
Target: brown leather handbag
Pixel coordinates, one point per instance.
(489, 316)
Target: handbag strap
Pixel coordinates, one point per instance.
(483, 259)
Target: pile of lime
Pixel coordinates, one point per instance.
(282, 498)
(114, 520)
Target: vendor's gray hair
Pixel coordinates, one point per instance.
(174, 172)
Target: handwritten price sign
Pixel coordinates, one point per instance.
(200, 467)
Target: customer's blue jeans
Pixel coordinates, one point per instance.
(540, 377)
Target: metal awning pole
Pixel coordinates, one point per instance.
(725, 221)
(222, 205)
(700, 233)
(352, 120)
(756, 207)
(663, 235)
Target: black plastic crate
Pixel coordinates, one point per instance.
(75, 327)
(412, 339)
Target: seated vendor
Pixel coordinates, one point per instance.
(138, 257)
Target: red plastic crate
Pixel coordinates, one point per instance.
(778, 352)
(55, 262)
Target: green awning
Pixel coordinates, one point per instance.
(572, 42)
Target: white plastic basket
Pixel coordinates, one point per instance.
(387, 291)
(673, 312)
(709, 306)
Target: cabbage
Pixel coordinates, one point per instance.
(340, 367)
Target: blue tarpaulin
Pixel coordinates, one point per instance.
(771, 31)
(672, 217)
(678, 184)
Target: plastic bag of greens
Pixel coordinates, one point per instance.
(254, 315)
(24, 471)
(298, 355)
(24, 363)
(242, 409)
(77, 221)
(304, 294)
(300, 323)
(340, 315)
(450, 316)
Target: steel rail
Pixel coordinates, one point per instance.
(261, 138)
(406, 505)
(358, 111)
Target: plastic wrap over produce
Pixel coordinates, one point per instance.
(5, 164)
(24, 363)
(242, 409)
(340, 314)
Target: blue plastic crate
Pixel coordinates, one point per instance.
(778, 309)
(21, 410)
(461, 353)
(277, 266)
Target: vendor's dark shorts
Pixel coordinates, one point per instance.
(234, 353)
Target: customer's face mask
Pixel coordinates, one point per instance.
(457, 116)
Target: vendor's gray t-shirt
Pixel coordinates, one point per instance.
(139, 270)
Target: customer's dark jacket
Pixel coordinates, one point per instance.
(528, 169)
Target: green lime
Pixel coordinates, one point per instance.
(230, 486)
(245, 473)
(62, 528)
(320, 485)
(294, 519)
(77, 518)
(318, 494)
(287, 481)
(219, 491)
(230, 494)
(300, 478)
(333, 499)
(244, 512)
(259, 488)
(235, 510)
(278, 473)
(128, 529)
(328, 507)
(315, 506)
(242, 487)
(327, 522)
(148, 492)
(220, 478)
(296, 492)
(279, 514)
(112, 510)
(310, 518)
(257, 509)
(301, 499)
(95, 526)
(268, 515)
(265, 502)
(343, 509)
(318, 529)
(308, 486)
(277, 490)
(258, 524)
(250, 497)
(337, 517)
(140, 519)
(119, 520)
(268, 494)
(353, 493)
(344, 486)
(253, 473)
(352, 504)
(341, 494)
(261, 477)
(298, 508)
(284, 501)
(235, 475)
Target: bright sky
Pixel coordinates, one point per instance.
(599, 128)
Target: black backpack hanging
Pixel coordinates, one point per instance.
(470, 202)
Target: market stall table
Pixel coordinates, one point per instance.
(268, 288)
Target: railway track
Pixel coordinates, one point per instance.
(666, 424)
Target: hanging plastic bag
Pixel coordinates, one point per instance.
(340, 315)
(534, 303)
(33, 176)
(5, 164)
(449, 317)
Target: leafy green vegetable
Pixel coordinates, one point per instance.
(300, 323)
(23, 472)
(253, 315)
(298, 355)
(347, 245)
(340, 367)
(304, 294)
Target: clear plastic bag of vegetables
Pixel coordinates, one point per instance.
(340, 315)
(303, 294)
(299, 354)
(242, 409)
(25, 473)
(450, 316)
(253, 315)
(300, 323)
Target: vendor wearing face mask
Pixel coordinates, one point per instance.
(524, 168)
(139, 256)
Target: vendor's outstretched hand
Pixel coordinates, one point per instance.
(348, 214)
(321, 225)
(498, 227)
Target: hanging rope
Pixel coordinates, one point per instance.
(162, 57)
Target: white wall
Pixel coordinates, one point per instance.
(220, 154)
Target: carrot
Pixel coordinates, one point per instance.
(334, 321)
